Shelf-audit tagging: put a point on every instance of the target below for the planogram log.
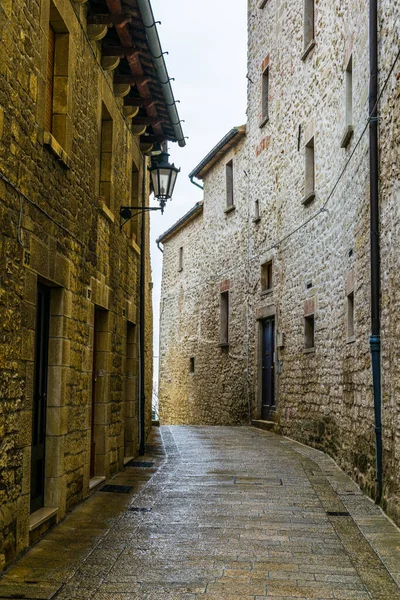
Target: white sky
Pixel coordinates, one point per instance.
(207, 45)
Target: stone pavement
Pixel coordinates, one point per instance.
(222, 514)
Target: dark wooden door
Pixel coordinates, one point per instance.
(94, 381)
(40, 397)
(267, 366)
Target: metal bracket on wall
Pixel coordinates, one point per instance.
(126, 213)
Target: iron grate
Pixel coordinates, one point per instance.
(117, 489)
(333, 513)
(140, 464)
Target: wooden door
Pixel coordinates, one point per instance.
(38, 457)
(267, 366)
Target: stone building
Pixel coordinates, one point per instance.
(82, 101)
(201, 365)
(296, 247)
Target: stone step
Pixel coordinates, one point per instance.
(267, 425)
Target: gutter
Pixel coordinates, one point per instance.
(197, 208)
(375, 339)
(227, 138)
(196, 184)
(147, 15)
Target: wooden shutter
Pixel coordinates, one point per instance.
(50, 80)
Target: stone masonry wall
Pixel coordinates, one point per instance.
(55, 229)
(320, 248)
(215, 393)
(325, 395)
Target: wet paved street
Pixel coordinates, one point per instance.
(222, 514)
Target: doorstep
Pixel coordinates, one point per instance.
(40, 516)
(266, 425)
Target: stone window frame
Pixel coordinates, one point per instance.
(348, 84)
(309, 326)
(229, 183)
(106, 158)
(309, 170)
(308, 28)
(180, 259)
(224, 311)
(257, 216)
(350, 309)
(59, 139)
(265, 87)
(267, 277)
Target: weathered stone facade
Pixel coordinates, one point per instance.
(318, 243)
(60, 193)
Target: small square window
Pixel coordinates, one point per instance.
(309, 324)
(266, 276)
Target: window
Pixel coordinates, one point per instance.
(309, 26)
(50, 80)
(57, 80)
(350, 317)
(106, 147)
(266, 276)
(265, 96)
(348, 132)
(256, 210)
(181, 258)
(309, 193)
(229, 184)
(192, 364)
(309, 331)
(224, 318)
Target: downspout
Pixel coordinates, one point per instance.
(196, 184)
(159, 247)
(375, 339)
(142, 382)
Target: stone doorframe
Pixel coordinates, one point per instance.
(44, 264)
(261, 315)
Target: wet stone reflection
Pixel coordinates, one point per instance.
(220, 513)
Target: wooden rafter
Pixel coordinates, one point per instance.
(115, 8)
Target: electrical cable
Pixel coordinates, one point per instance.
(323, 208)
(42, 210)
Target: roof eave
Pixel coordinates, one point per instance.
(227, 142)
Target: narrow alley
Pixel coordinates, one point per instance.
(217, 513)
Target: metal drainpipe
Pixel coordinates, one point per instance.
(375, 339)
(142, 390)
(159, 247)
(196, 184)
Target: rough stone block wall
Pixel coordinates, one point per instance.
(54, 229)
(215, 393)
(320, 248)
(325, 396)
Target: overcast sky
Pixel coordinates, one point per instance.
(207, 45)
